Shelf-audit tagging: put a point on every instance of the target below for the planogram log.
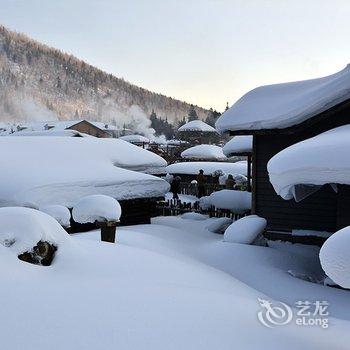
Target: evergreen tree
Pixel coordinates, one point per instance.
(192, 114)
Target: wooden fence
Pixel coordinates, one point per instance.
(174, 207)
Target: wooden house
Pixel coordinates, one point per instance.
(89, 128)
(197, 132)
(282, 115)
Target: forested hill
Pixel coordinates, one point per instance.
(38, 82)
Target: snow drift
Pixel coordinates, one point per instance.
(245, 230)
(236, 201)
(197, 125)
(335, 257)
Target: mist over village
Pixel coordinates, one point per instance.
(174, 174)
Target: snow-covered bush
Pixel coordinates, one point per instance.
(335, 257)
(236, 201)
(31, 234)
(58, 212)
(98, 208)
(245, 230)
(219, 225)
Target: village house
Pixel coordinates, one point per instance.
(279, 116)
(197, 132)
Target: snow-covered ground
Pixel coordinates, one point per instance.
(168, 285)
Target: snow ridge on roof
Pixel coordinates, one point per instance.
(197, 125)
(280, 106)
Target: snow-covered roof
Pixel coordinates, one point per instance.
(51, 132)
(135, 138)
(323, 159)
(39, 171)
(238, 144)
(204, 152)
(192, 168)
(283, 105)
(197, 125)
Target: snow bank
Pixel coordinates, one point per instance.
(204, 152)
(238, 144)
(135, 138)
(42, 171)
(335, 257)
(236, 201)
(192, 168)
(219, 225)
(197, 125)
(283, 105)
(98, 208)
(320, 160)
(58, 212)
(22, 228)
(245, 230)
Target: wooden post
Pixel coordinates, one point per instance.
(249, 173)
(108, 231)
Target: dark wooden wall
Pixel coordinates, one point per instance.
(323, 211)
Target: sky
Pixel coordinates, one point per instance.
(206, 52)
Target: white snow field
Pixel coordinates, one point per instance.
(192, 168)
(283, 105)
(197, 125)
(175, 285)
(335, 257)
(41, 171)
(209, 152)
(323, 159)
(238, 144)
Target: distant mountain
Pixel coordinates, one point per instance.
(40, 83)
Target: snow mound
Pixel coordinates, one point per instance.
(283, 105)
(60, 170)
(193, 216)
(316, 161)
(192, 168)
(335, 257)
(22, 228)
(135, 138)
(219, 225)
(245, 230)
(204, 152)
(98, 208)
(197, 125)
(236, 201)
(58, 212)
(238, 144)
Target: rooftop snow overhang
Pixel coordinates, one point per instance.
(286, 108)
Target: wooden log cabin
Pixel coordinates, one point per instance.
(279, 116)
